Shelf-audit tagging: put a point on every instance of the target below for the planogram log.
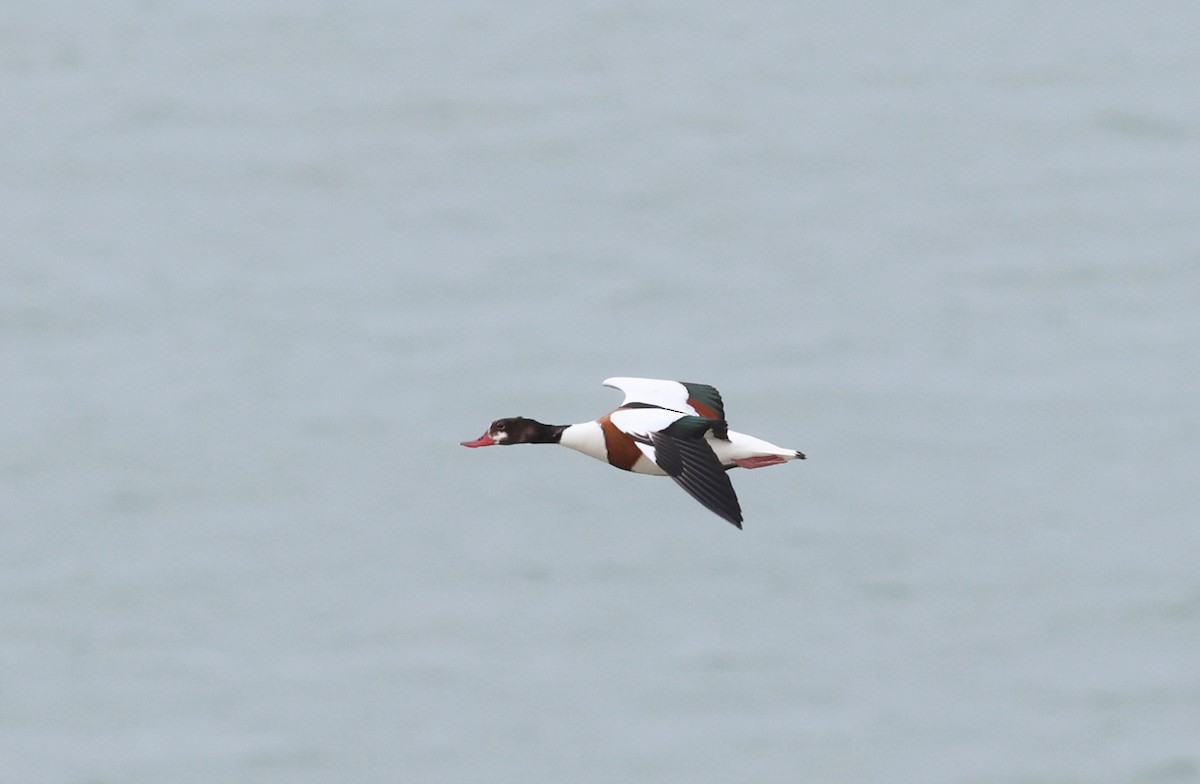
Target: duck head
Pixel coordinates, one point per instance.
(516, 430)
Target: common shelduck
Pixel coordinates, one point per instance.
(663, 428)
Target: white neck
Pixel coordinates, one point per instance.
(586, 437)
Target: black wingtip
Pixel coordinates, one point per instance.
(694, 467)
(731, 516)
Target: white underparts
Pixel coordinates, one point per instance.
(588, 438)
(741, 446)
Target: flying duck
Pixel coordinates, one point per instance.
(663, 428)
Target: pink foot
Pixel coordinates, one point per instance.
(761, 461)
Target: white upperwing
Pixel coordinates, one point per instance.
(655, 392)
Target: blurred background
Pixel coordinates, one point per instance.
(266, 263)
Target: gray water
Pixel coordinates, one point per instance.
(265, 264)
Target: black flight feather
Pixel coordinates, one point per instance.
(685, 455)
